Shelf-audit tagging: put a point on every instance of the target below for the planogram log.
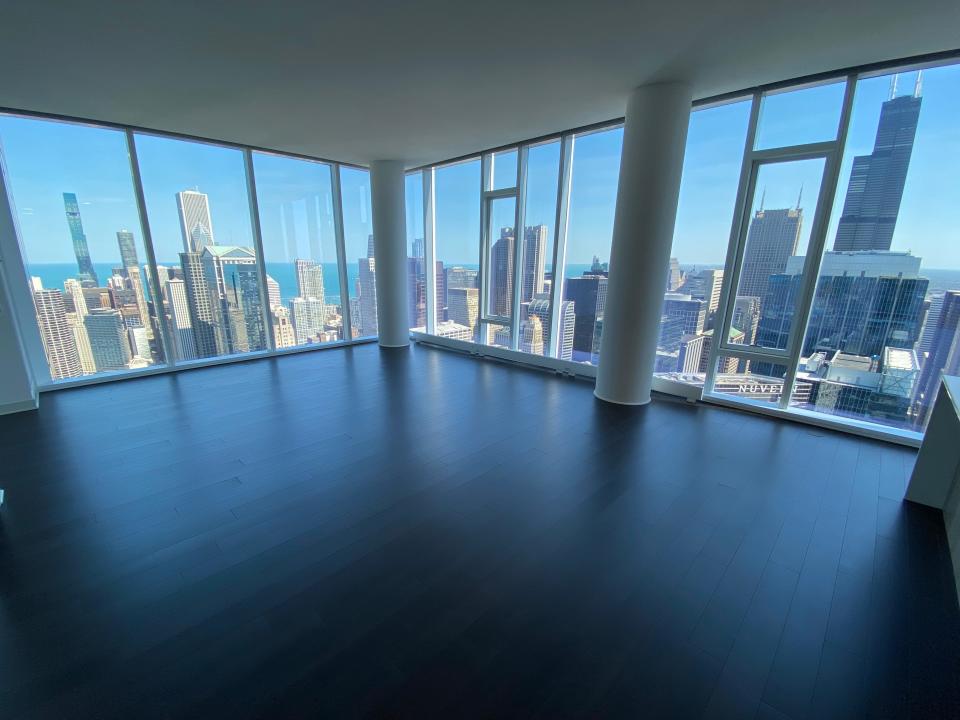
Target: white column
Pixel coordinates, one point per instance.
(390, 249)
(654, 138)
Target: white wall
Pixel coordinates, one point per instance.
(18, 388)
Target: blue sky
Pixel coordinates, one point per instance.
(45, 159)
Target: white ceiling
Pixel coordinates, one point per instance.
(423, 80)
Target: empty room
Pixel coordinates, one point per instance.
(501, 360)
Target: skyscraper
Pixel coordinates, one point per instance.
(691, 312)
(864, 302)
(674, 275)
(541, 308)
(589, 296)
(86, 274)
(534, 261)
(501, 277)
(771, 239)
(196, 226)
(180, 319)
(128, 249)
(309, 316)
(203, 305)
(930, 327)
(57, 336)
(309, 279)
(464, 307)
(232, 274)
(367, 283)
(273, 293)
(873, 197)
(108, 340)
(943, 358)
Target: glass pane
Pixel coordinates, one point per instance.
(504, 169)
(543, 168)
(593, 196)
(751, 380)
(416, 256)
(796, 117)
(885, 320)
(358, 241)
(711, 172)
(496, 335)
(781, 215)
(299, 242)
(457, 210)
(500, 233)
(83, 246)
(199, 214)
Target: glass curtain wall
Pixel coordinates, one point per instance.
(206, 281)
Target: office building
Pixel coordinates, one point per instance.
(534, 262)
(464, 307)
(588, 293)
(877, 180)
(196, 225)
(771, 239)
(108, 340)
(500, 301)
(943, 358)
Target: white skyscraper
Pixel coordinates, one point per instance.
(180, 320)
(196, 227)
(273, 292)
(308, 318)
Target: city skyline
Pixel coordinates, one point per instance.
(97, 171)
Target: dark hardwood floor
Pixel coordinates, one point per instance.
(418, 534)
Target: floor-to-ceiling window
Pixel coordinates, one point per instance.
(300, 249)
(708, 192)
(83, 247)
(144, 250)
(360, 257)
(209, 273)
(544, 294)
(885, 317)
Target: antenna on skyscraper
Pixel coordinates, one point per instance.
(763, 199)
(893, 85)
(918, 85)
(799, 197)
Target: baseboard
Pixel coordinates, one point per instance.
(16, 407)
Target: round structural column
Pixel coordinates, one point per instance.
(390, 251)
(654, 139)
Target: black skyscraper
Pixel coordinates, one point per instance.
(876, 180)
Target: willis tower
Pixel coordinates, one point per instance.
(876, 180)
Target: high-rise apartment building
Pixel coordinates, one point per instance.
(309, 316)
(872, 203)
(85, 272)
(309, 279)
(273, 293)
(58, 341)
(771, 239)
(196, 225)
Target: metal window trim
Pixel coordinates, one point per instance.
(254, 203)
(731, 274)
(170, 349)
(818, 239)
(428, 184)
(519, 237)
(560, 231)
(337, 198)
